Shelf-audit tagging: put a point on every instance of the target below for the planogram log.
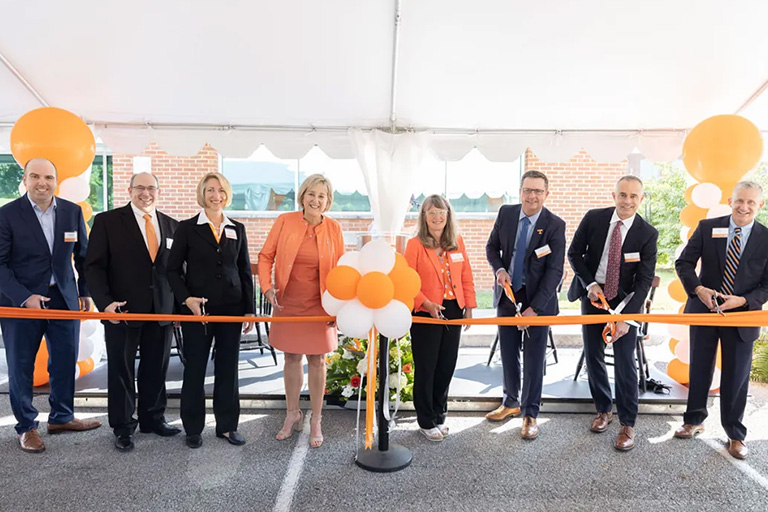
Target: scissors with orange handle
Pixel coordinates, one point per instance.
(518, 306)
(609, 331)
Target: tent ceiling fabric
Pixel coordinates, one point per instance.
(607, 76)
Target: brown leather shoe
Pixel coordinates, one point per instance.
(75, 425)
(688, 431)
(530, 429)
(626, 439)
(502, 412)
(737, 449)
(601, 422)
(31, 442)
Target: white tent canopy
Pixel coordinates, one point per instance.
(498, 75)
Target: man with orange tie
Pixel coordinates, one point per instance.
(126, 260)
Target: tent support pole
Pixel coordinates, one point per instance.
(15, 72)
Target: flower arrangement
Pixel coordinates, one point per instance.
(346, 366)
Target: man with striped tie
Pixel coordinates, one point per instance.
(733, 251)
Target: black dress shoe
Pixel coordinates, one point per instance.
(195, 441)
(232, 438)
(124, 443)
(162, 429)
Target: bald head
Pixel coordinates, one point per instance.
(40, 181)
(39, 164)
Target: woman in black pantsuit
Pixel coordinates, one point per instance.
(216, 281)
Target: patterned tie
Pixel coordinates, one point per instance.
(614, 264)
(151, 236)
(732, 256)
(520, 247)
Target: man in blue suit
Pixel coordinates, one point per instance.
(39, 235)
(527, 250)
(733, 252)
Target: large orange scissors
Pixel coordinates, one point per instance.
(609, 331)
(518, 306)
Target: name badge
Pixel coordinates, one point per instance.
(456, 257)
(230, 233)
(168, 243)
(631, 257)
(719, 232)
(543, 251)
(70, 236)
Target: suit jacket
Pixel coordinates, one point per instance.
(587, 248)
(119, 268)
(751, 281)
(282, 246)
(426, 263)
(542, 274)
(26, 262)
(198, 266)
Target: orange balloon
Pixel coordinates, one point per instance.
(408, 304)
(682, 309)
(407, 283)
(375, 290)
(691, 215)
(689, 194)
(722, 149)
(678, 371)
(400, 261)
(86, 366)
(719, 356)
(342, 282)
(40, 375)
(56, 135)
(87, 210)
(676, 291)
(672, 344)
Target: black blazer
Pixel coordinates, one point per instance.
(587, 248)
(118, 266)
(751, 280)
(542, 275)
(220, 272)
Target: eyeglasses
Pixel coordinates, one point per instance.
(437, 213)
(142, 188)
(537, 191)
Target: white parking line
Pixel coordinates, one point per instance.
(295, 467)
(741, 465)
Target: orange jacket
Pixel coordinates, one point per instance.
(427, 264)
(282, 245)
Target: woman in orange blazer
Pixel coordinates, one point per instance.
(437, 253)
(302, 247)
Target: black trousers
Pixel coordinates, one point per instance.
(734, 380)
(226, 393)
(153, 342)
(435, 351)
(625, 371)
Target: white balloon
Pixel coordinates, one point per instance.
(22, 189)
(85, 350)
(719, 210)
(679, 249)
(393, 320)
(88, 328)
(706, 195)
(354, 319)
(331, 304)
(715, 379)
(683, 351)
(684, 233)
(77, 372)
(350, 259)
(377, 256)
(681, 332)
(75, 189)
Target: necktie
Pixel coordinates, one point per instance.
(151, 236)
(732, 256)
(614, 264)
(520, 247)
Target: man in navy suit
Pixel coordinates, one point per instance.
(39, 235)
(613, 253)
(526, 249)
(733, 252)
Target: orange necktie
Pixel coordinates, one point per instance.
(151, 236)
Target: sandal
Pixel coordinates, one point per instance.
(443, 429)
(289, 427)
(315, 441)
(433, 434)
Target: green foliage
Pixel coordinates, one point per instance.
(346, 363)
(760, 360)
(665, 197)
(10, 177)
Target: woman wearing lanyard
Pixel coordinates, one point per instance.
(216, 281)
(447, 291)
(302, 247)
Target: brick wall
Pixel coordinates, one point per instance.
(576, 186)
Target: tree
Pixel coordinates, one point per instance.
(665, 197)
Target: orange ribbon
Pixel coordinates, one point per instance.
(609, 331)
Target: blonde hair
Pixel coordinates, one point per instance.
(224, 184)
(449, 240)
(311, 181)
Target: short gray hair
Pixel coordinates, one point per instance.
(133, 177)
(748, 184)
(630, 177)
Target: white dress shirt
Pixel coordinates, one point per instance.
(143, 226)
(603, 266)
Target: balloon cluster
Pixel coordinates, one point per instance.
(372, 287)
(717, 153)
(66, 140)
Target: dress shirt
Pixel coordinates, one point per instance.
(139, 214)
(533, 219)
(47, 221)
(603, 266)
